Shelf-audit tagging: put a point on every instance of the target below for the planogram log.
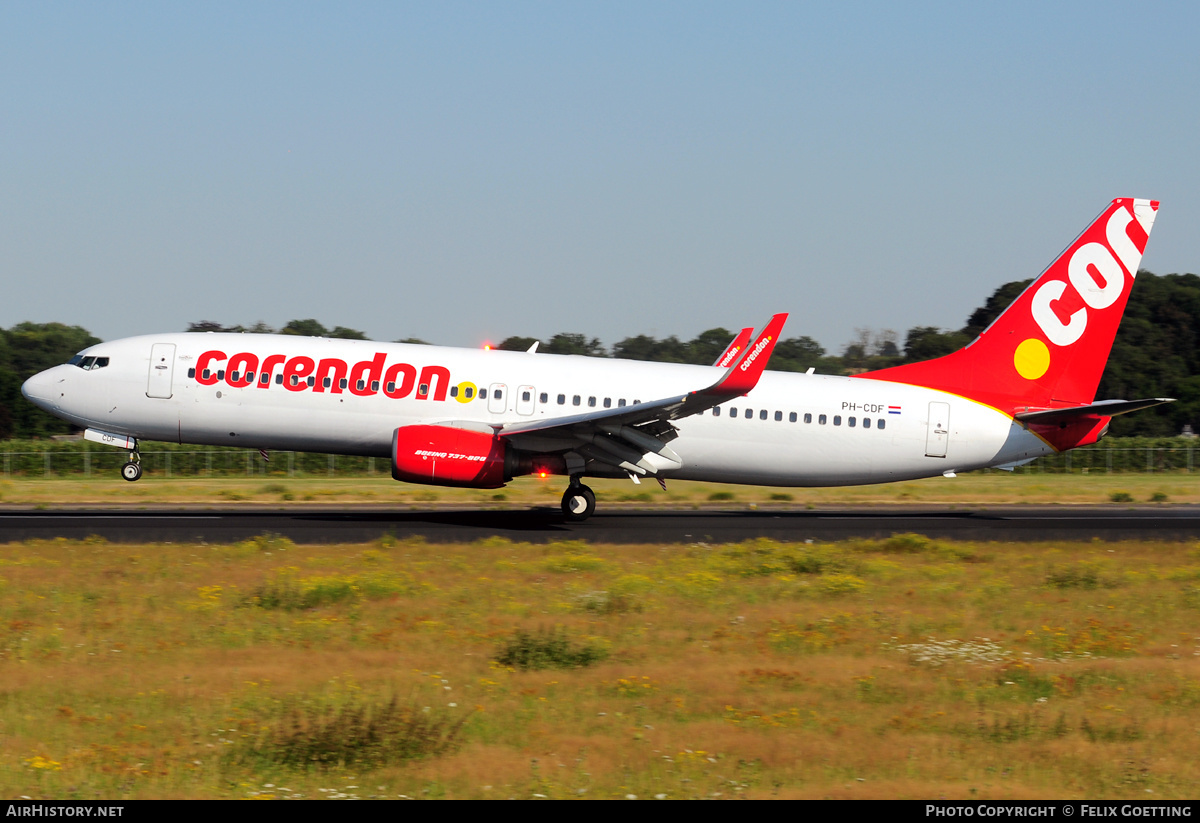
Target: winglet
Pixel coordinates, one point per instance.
(735, 348)
(743, 375)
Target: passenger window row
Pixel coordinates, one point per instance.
(543, 397)
(763, 414)
(467, 391)
(482, 394)
(592, 401)
(265, 379)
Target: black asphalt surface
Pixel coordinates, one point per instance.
(543, 525)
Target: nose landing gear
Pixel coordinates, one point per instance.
(132, 470)
(578, 502)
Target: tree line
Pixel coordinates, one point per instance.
(1156, 353)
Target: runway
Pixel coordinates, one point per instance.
(346, 525)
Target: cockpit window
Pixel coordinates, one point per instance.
(88, 363)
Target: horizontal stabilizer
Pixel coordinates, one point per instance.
(1101, 408)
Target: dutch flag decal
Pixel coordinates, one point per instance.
(893, 409)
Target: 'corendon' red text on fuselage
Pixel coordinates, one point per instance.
(330, 374)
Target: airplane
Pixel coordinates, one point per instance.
(1025, 387)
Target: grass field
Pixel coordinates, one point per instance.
(993, 488)
(898, 668)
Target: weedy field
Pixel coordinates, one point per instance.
(900, 668)
(976, 488)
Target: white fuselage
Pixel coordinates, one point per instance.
(872, 431)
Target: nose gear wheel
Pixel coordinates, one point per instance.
(132, 470)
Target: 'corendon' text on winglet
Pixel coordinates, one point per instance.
(735, 348)
(754, 353)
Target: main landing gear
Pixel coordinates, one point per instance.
(579, 502)
(132, 470)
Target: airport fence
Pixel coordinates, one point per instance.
(75, 459)
(1150, 458)
(78, 458)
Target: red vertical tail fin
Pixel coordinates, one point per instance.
(1049, 348)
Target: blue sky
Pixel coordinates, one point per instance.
(462, 172)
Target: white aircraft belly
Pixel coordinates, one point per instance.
(241, 418)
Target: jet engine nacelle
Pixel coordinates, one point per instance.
(448, 456)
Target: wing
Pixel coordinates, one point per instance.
(626, 438)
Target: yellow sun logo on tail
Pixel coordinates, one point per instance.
(1032, 358)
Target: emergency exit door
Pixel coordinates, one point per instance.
(498, 399)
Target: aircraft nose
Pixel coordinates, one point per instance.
(39, 390)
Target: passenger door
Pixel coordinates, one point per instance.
(162, 368)
(939, 430)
